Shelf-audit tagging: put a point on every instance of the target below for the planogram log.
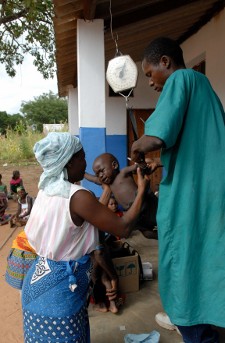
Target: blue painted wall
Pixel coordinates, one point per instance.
(95, 142)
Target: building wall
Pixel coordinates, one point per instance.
(208, 43)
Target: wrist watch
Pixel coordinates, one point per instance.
(122, 73)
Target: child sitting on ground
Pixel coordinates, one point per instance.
(15, 182)
(124, 188)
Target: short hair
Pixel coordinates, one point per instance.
(163, 46)
(15, 172)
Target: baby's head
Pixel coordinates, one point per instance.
(106, 167)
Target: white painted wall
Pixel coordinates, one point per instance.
(210, 40)
(144, 97)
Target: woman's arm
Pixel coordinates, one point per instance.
(18, 210)
(30, 204)
(84, 205)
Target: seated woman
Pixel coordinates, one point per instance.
(25, 203)
(3, 187)
(4, 218)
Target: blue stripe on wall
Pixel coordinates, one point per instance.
(95, 142)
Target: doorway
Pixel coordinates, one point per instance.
(141, 116)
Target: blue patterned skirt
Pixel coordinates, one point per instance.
(54, 301)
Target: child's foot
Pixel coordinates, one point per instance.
(101, 307)
(112, 307)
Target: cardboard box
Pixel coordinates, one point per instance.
(127, 269)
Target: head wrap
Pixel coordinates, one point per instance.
(20, 188)
(53, 152)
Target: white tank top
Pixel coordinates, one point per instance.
(52, 233)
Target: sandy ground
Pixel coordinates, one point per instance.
(11, 330)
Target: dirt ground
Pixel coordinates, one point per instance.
(11, 330)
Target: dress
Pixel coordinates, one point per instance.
(55, 290)
(189, 118)
(24, 208)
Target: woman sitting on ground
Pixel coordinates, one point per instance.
(25, 203)
(4, 218)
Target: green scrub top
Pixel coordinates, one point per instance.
(190, 119)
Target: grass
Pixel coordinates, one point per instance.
(18, 147)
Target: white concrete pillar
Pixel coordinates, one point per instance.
(91, 91)
(73, 111)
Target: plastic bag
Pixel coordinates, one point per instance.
(152, 337)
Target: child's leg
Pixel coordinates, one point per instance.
(98, 289)
(99, 297)
(112, 298)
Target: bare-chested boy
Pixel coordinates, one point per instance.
(124, 189)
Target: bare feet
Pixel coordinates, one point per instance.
(112, 307)
(101, 307)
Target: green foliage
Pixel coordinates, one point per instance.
(47, 108)
(17, 147)
(9, 121)
(26, 26)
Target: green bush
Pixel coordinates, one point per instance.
(18, 145)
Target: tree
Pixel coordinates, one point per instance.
(47, 108)
(9, 121)
(26, 26)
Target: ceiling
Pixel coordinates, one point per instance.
(135, 22)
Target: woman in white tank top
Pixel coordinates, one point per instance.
(62, 228)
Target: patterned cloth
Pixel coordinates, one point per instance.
(21, 242)
(20, 259)
(18, 264)
(54, 298)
